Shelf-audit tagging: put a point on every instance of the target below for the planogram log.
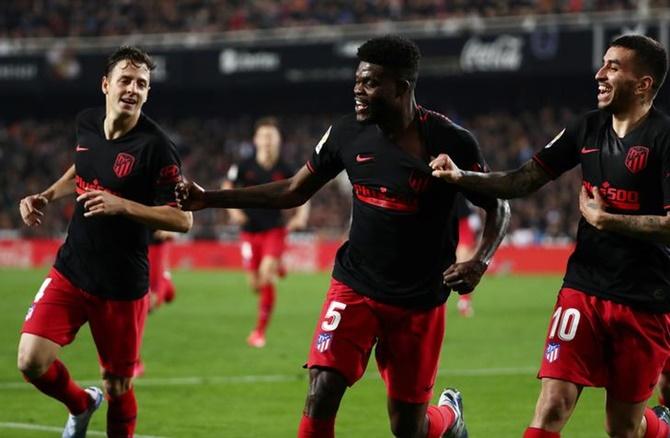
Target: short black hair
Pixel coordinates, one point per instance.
(650, 56)
(266, 121)
(134, 55)
(394, 52)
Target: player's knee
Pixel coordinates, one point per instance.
(326, 388)
(554, 408)
(31, 364)
(621, 427)
(116, 386)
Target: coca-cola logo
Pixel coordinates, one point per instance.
(502, 54)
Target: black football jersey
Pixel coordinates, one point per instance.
(403, 230)
(633, 176)
(250, 173)
(107, 255)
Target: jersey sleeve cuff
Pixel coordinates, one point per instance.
(310, 167)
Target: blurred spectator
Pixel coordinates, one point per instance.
(60, 18)
(34, 153)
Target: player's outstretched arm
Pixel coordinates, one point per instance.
(237, 216)
(164, 217)
(463, 277)
(31, 206)
(505, 185)
(647, 227)
(287, 193)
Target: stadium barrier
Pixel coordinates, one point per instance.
(304, 253)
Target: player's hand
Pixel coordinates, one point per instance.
(101, 203)
(31, 209)
(593, 207)
(237, 217)
(444, 167)
(190, 196)
(465, 276)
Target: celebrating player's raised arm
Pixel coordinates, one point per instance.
(288, 193)
(31, 206)
(506, 185)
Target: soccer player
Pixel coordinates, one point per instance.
(262, 240)
(464, 251)
(388, 289)
(610, 324)
(124, 174)
(161, 287)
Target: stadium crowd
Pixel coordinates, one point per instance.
(60, 18)
(35, 153)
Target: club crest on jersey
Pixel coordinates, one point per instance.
(636, 159)
(323, 342)
(418, 181)
(551, 353)
(123, 164)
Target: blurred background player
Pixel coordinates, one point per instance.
(124, 174)
(263, 232)
(467, 240)
(161, 286)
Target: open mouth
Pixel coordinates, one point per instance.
(360, 105)
(129, 101)
(604, 90)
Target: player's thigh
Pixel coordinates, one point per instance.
(268, 269)
(344, 334)
(408, 351)
(638, 338)
(575, 342)
(57, 311)
(251, 250)
(117, 328)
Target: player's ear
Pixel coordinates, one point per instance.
(104, 86)
(402, 86)
(644, 84)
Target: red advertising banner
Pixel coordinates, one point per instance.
(306, 254)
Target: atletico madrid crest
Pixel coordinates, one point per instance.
(323, 342)
(551, 353)
(636, 160)
(123, 164)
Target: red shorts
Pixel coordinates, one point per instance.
(255, 246)
(60, 309)
(408, 342)
(596, 342)
(466, 236)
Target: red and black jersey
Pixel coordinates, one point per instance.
(403, 231)
(633, 175)
(250, 173)
(107, 255)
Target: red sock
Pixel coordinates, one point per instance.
(56, 383)
(121, 415)
(440, 419)
(655, 427)
(265, 306)
(534, 432)
(315, 428)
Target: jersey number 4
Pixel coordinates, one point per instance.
(333, 317)
(565, 322)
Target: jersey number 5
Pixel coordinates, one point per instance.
(569, 320)
(333, 317)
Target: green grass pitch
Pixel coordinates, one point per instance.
(202, 380)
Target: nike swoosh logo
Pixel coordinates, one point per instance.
(364, 158)
(80, 149)
(588, 151)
